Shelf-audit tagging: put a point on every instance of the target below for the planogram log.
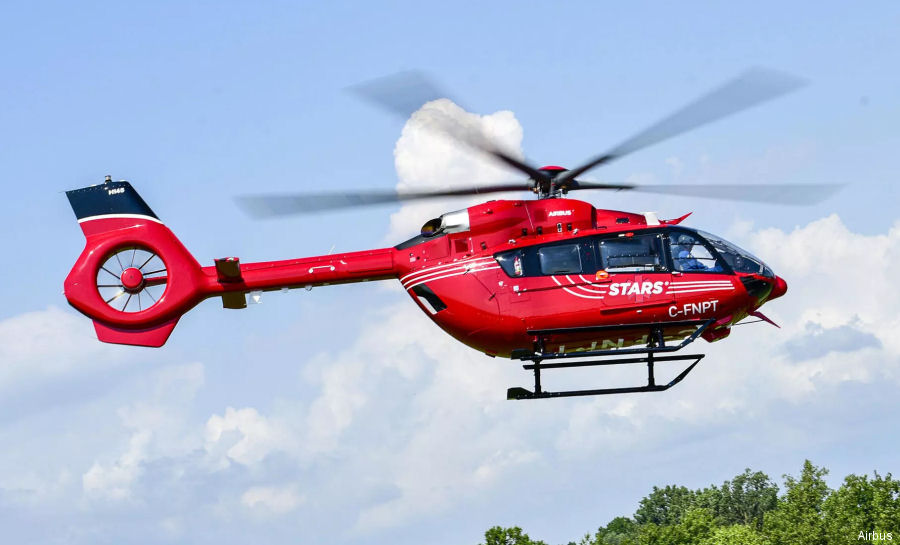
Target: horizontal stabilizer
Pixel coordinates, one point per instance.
(153, 336)
(234, 299)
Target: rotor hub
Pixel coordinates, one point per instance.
(132, 279)
(548, 188)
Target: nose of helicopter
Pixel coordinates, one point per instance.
(778, 289)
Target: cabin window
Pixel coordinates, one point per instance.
(561, 259)
(570, 258)
(690, 254)
(637, 253)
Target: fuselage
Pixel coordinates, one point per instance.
(561, 268)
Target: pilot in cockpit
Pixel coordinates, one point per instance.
(684, 258)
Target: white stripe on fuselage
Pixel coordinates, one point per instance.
(485, 267)
(118, 216)
(699, 290)
(437, 268)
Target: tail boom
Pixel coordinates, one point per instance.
(309, 271)
(115, 219)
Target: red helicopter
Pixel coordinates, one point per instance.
(553, 281)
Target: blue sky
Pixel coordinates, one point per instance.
(343, 413)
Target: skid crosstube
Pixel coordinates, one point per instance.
(648, 355)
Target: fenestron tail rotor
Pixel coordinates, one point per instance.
(132, 279)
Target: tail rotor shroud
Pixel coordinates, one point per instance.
(132, 279)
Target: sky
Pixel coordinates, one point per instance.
(343, 414)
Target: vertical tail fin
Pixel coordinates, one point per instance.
(108, 206)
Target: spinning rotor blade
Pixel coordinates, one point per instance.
(753, 87)
(405, 92)
(272, 205)
(792, 194)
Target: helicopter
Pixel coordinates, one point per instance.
(552, 282)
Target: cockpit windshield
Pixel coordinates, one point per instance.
(740, 260)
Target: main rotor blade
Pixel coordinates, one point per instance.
(753, 87)
(405, 92)
(284, 204)
(790, 194)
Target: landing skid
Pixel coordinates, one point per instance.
(656, 345)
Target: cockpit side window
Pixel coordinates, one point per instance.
(739, 260)
(690, 254)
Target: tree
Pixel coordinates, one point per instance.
(737, 534)
(742, 500)
(664, 506)
(508, 536)
(619, 531)
(585, 540)
(747, 498)
(886, 504)
(797, 520)
(863, 505)
(710, 498)
(696, 525)
(748, 511)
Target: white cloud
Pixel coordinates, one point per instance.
(243, 436)
(158, 428)
(676, 165)
(48, 345)
(855, 266)
(276, 500)
(113, 481)
(841, 284)
(331, 413)
(427, 159)
(425, 417)
(50, 360)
